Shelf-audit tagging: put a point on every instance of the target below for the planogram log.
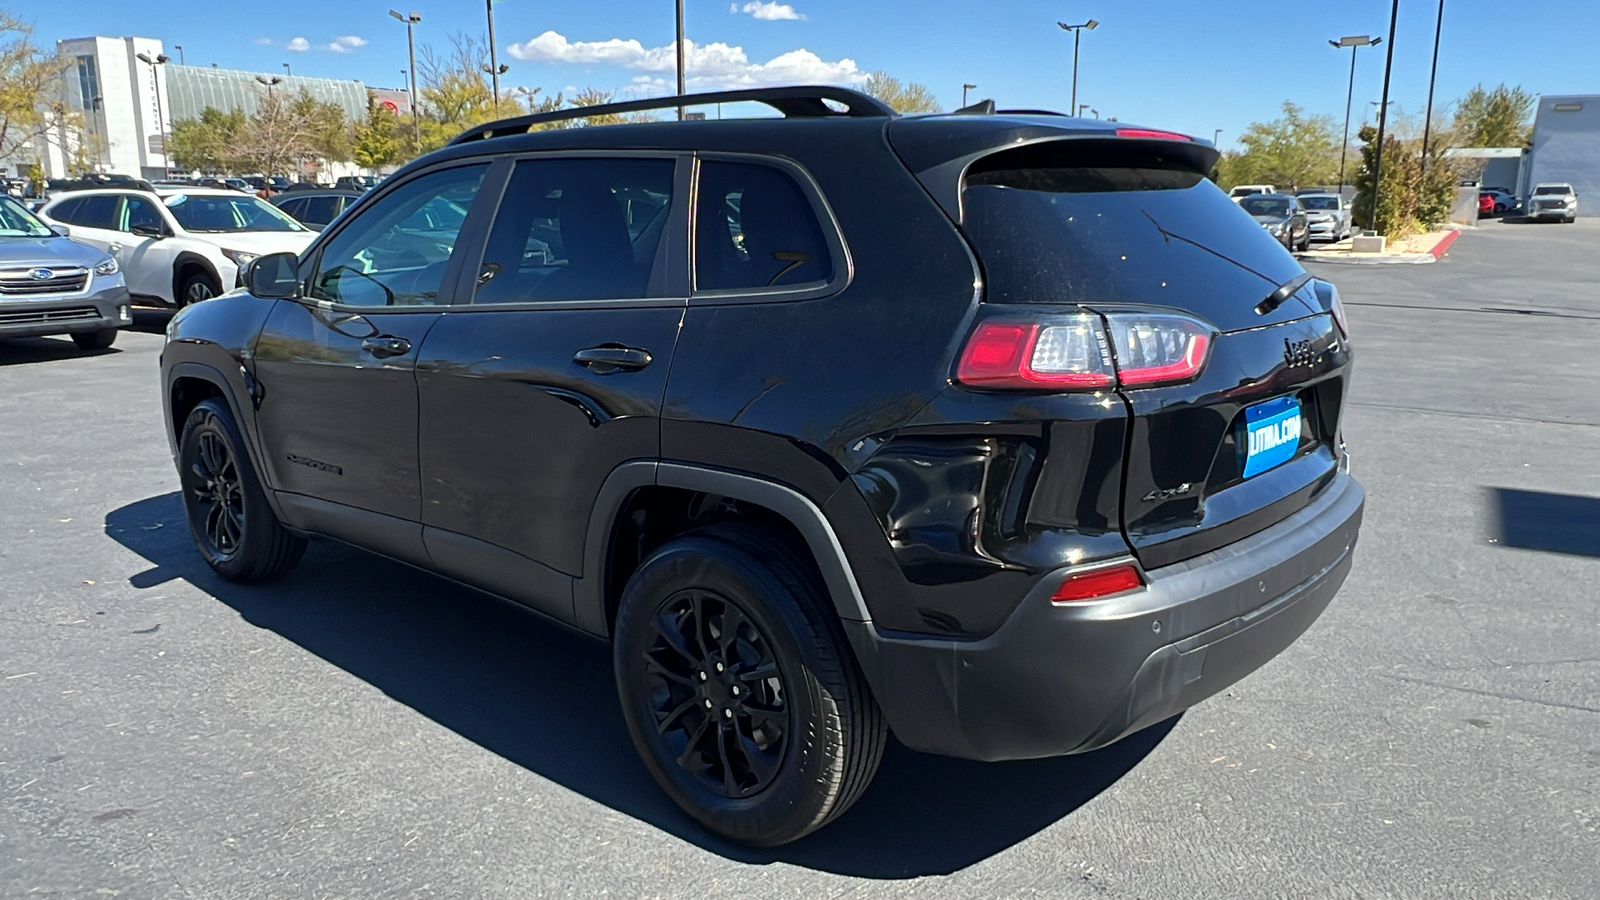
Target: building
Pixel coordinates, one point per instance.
(123, 91)
(1566, 148)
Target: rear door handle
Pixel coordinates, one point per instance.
(384, 346)
(608, 358)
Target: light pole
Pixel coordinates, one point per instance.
(286, 69)
(411, 21)
(1077, 32)
(1427, 117)
(161, 123)
(270, 82)
(681, 80)
(179, 48)
(1383, 113)
(1351, 41)
(964, 88)
(1216, 136)
(528, 96)
(494, 68)
(1081, 108)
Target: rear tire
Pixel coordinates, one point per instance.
(232, 525)
(95, 340)
(738, 688)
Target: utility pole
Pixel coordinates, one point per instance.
(1353, 42)
(1077, 32)
(1427, 117)
(1383, 112)
(681, 80)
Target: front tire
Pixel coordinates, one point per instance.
(95, 340)
(232, 525)
(197, 286)
(739, 690)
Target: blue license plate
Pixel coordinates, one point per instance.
(1272, 432)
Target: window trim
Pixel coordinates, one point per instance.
(472, 234)
(670, 265)
(832, 235)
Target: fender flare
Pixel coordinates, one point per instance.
(212, 375)
(190, 258)
(589, 592)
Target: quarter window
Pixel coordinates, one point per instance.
(756, 230)
(395, 253)
(96, 211)
(577, 229)
(320, 210)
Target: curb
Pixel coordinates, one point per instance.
(1345, 258)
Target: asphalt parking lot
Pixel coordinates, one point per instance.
(362, 730)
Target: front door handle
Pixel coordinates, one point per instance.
(384, 346)
(608, 358)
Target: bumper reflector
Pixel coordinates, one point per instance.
(1098, 583)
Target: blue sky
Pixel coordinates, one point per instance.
(1182, 64)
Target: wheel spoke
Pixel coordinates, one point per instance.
(671, 633)
(728, 782)
(665, 723)
(693, 746)
(761, 764)
(767, 669)
(655, 667)
(730, 622)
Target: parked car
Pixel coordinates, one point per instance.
(315, 209)
(1282, 216)
(1553, 200)
(1485, 205)
(735, 403)
(1327, 216)
(178, 246)
(1249, 190)
(52, 285)
(1500, 202)
(356, 182)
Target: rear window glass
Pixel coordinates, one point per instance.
(1094, 231)
(1320, 202)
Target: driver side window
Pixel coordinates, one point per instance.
(395, 253)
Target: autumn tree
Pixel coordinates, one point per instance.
(378, 140)
(452, 93)
(1499, 117)
(906, 97)
(32, 104)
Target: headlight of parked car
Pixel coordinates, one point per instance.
(107, 266)
(241, 258)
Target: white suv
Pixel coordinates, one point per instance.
(177, 245)
(1556, 200)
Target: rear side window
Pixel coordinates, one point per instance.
(320, 210)
(755, 229)
(1108, 224)
(296, 208)
(98, 211)
(64, 211)
(577, 229)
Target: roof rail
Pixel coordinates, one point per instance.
(793, 102)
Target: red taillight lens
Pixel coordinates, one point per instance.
(1098, 583)
(1159, 348)
(1151, 133)
(1064, 352)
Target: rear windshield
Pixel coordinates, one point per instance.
(1553, 189)
(1320, 202)
(1103, 233)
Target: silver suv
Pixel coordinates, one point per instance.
(1553, 201)
(52, 285)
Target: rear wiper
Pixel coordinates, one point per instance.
(1283, 292)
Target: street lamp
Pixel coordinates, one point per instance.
(1081, 108)
(1427, 117)
(1077, 32)
(179, 48)
(411, 21)
(528, 95)
(494, 68)
(681, 81)
(1351, 41)
(161, 118)
(1383, 117)
(286, 69)
(1216, 136)
(494, 74)
(964, 88)
(269, 82)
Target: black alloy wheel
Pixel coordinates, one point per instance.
(717, 694)
(233, 526)
(738, 687)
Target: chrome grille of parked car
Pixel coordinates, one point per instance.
(33, 317)
(61, 280)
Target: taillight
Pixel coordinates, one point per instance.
(1058, 352)
(1097, 583)
(1159, 348)
(1075, 352)
(1152, 133)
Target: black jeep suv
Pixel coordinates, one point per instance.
(1008, 432)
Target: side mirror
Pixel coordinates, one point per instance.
(275, 276)
(60, 230)
(144, 229)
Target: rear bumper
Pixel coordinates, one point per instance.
(109, 308)
(1069, 678)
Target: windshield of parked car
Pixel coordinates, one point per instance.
(16, 221)
(218, 213)
(1265, 206)
(1552, 189)
(1320, 202)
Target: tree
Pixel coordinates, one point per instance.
(32, 106)
(1288, 153)
(377, 141)
(452, 93)
(209, 143)
(909, 97)
(1414, 198)
(1494, 118)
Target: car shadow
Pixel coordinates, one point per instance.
(1536, 520)
(151, 320)
(22, 351)
(542, 696)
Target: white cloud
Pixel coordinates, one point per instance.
(298, 45)
(346, 43)
(262, 42)
(710, 66)
(770, 12)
